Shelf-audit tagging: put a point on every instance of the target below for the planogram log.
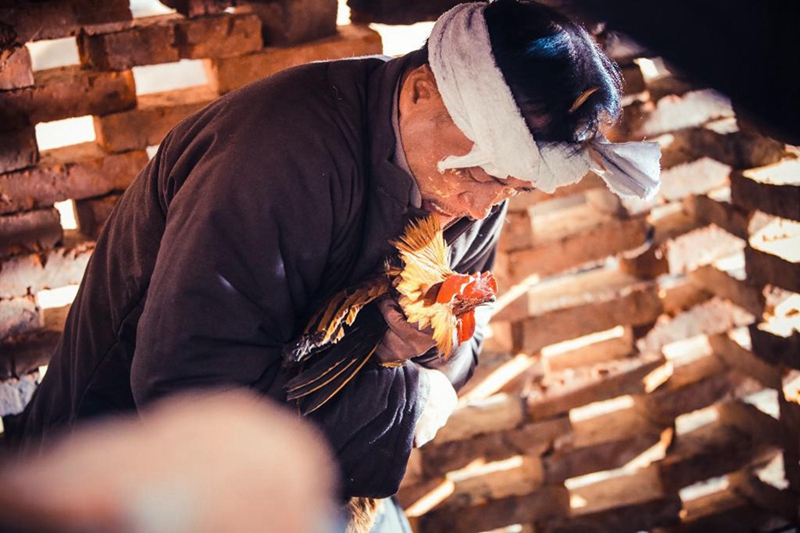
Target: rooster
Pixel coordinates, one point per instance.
(344, 334)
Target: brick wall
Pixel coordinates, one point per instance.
(631, 339)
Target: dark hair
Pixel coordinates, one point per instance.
(549, 61)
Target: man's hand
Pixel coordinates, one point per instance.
(402, 341)
(442, 400)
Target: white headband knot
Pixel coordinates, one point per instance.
(480, 103)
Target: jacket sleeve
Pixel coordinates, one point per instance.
(241, 256)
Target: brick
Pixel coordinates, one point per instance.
(609, 349)
(498, 337)
(745, 361)
(524, 201)
(25, 353)
(763, 495)
(73, 172)
(751, 420)
(529, 439)
(678, 294)
(496, 413)
(578, 236)
(539, 505)
(739, 149)
(568, 314)
(18, 149)
(664, 86)
(408, 12)
(62, 18)
(696, 177)
(148, 41)
(719, 212)
(481, 489)
(16, 393)
(701, 247)
(632, 79)
(775, 345)
(764, 268)
(568, 390)
(169, 38)
(29, 274)
(790, 418)
(16, 71)
(93, 213)
(197, 8)
(673, 112)
(226, 74)
(19, 315)
(727, 510)
(774, 189)
(714, 316)
(66, 92)
(419, 498)
(29, 232)
(155, 115)
(711, 451)
(635, 502)
(219, 36)
(738, 291)
(292, 22)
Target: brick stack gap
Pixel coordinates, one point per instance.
(237, 46)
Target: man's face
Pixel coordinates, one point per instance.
(430, 135)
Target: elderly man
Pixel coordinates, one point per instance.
(276, 196)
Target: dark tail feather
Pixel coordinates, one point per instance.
(335, 366)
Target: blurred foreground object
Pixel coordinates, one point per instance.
(218, 462)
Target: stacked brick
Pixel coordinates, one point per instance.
(237, 46)
(630, 342)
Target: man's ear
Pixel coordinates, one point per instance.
(420, 85)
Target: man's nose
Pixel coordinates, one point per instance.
(481, 204)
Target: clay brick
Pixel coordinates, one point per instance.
(530, 439)
(710, 451)
(496, 413)
(614, 426)
(498, 338)
(745, 361)
(776, 346)
(524, 201)
(605, 350)
(701, 247)
(720, 212)
(517, 232)
(751, 420)
(542, 504)
(727, 510)
(29, 232)
(155, 115)
(18, 149)
(763, 495)
(714, 316)
(669, 85)
(678, 294)
(764, 268)
(738, 291)
(229, 73)
(790, 418)
(575, 237)
(632, 79)
(29, 274)
(148, 41)
(77, 172)
(61, 18)
(674, 112)
(25, 353)
(568, 390)
(696, 177)
(197, 8)
(66, 92)
(219, 36)
(634, 502)
(92, 214)
(480, 489)
(19, 315)
(584, 304)
(16, 393)
(774, 189)
(389, 12)
(292, 22)
(419, 498)
(16, 71)
(740, 149)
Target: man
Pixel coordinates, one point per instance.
(278, 195)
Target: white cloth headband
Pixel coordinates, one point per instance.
(480, 103)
